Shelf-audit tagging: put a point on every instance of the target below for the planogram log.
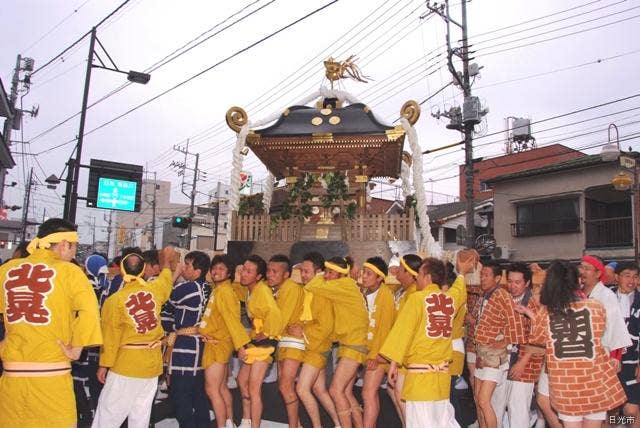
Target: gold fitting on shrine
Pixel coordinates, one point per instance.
(291, 179)
(236, 118)
(394, 133)
(362, 178)
(411, 111)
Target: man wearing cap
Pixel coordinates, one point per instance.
(131, 357)
(50, 313)
(615, 338)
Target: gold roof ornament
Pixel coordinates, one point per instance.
(236, 118)
(411, 111)
(336, 70)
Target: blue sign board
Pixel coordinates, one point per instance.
(116, 194)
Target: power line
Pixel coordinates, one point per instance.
(555, 38)
(153, 67)
(55, 27)
(65, 50)
(213, 66)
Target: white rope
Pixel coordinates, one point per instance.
(405, 176)
(267, 193)
(234, 180)
(424, 240)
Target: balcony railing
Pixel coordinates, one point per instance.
(609, 232)
(548, 227)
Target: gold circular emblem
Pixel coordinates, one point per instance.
(316, 121)
(325, 111)
(334, 120)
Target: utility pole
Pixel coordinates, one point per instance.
(26, 65)
(197, 176)
(153, 210)
(71, 201)
(216, 218)
(468, 134)
(465, 119)
(25, 206)
(108, 231)
(93, 231)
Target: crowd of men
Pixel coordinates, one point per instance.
(562, 353)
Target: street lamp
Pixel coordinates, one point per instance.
(71, 192)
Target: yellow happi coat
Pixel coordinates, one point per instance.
(263, 312)
(381, 318)
(132, 316)
(43, 300)
(422, 335)
(221, 322)
(457, 359)
(405, 295)
(317, 331)
(289, 299)
(350, 310)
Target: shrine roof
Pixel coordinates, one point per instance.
(303, 120)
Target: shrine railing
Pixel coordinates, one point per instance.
(367, 227)
(380, 227)
(262, 228)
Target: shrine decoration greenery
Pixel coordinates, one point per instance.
(251, 205)
(296, 204)
(336, 188)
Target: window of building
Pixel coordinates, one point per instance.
(547, 217)
(484, 187)
(449, 235)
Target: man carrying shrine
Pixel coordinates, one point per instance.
(131, 357)
(318, 321)
(406, 274)
(289, 296)
(629, 302)
(50, 313)
(616, 338)
(524, 367)
(350, 329)
(382, 313)
(185, 345)
(256, 356)
(497, 327)
(421, 339)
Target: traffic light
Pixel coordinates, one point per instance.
(180, 222)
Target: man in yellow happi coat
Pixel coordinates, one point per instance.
(382, 311)
(50, 312)
(317, 329)
(350, 329)
(223, 332)
(407, 273)
(289, 296)
(421, 337)
(131, 357)
(266, 320)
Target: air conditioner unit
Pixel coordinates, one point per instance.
(502, 252)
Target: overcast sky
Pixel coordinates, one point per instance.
(540, 60)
